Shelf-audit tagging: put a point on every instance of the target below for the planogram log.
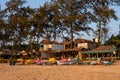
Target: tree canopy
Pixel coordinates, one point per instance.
(114, 40)
(54, 20)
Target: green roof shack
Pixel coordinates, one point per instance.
(106, 52)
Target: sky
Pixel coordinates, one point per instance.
(31, 3)
(113, 25)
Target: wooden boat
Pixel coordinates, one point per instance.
(107, 63)
(65, 62)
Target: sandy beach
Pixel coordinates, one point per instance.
(63, 72)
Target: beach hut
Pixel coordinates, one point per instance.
(63, 50)
(84, 43)
(66, 44)
(104, 52)
(47, 48)
(46, 45)
(79, 45)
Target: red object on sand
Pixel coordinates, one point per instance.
(64, 60)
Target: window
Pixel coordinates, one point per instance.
(41, 46)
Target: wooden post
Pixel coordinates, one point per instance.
(111, 56)
(97, 56)
(89, 56)
(80, 55)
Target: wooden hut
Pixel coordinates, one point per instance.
(104, 52)
(47, 48)
(84, 43)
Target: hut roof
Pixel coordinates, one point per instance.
(5, 53)
(81, 40)
(102, 49)
(66, 43)
(48, 42)
(69, 50)
(78, 40)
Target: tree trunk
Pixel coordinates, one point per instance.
(71, 35)
(99, 32)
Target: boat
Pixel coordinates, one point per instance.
(65, 62)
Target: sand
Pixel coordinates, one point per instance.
(64, 72)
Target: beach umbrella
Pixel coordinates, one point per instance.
(23, 52)
(4, 53)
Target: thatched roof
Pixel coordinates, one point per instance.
(78, 40)
(69, 50)
(102, 49)
(48, 42)
(66, 43)
(81, 40)
(5, 53)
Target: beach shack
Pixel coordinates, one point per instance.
(63, 50)
(47, 48)
(68, 51)
(66, 44)
(106, 52)
(79, 45)
(84, 45)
